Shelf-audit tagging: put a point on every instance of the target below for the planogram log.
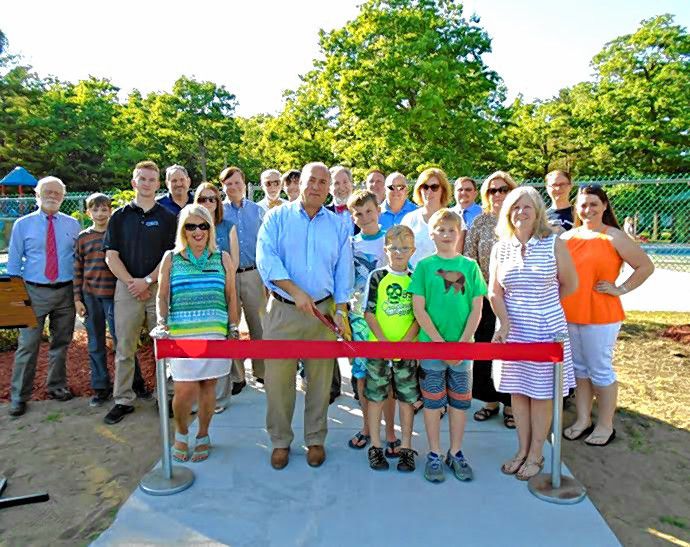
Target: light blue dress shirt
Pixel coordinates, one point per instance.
(469, 214)
(27, 253)
(315, 254)
(247, 217)
(388, 218)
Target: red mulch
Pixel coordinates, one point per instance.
(78, 371)
(679, 333)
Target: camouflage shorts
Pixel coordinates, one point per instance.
(402, 376)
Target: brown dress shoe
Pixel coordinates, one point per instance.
(316, 455)
(279, 457)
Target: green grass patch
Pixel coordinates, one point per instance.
(678, 522)
(53, 417)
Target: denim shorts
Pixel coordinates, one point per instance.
(443, 384)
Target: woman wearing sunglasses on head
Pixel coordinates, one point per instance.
(196, 300)
(478, 244)
(594, 312)
(209, 196)
(431, 192)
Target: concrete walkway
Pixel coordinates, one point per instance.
(239, 500)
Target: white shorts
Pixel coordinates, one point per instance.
(592, 347)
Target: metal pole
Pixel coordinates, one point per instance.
(557, 425)
(166, 479)
(554, 487)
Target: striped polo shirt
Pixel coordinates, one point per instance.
(91, 274)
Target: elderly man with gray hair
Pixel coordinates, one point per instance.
(42, 253)
(178, 182)
(271, 185)
(304, 256)
(396, 204)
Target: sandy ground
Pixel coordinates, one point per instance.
(640, 483)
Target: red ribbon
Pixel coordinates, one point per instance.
(545, 352)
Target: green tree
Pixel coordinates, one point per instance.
(401, 86)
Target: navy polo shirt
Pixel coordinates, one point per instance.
(141, 237)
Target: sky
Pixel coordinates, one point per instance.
(258, 49)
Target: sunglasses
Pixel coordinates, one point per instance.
(399, 188)
(501, 190)
(399, 250)
(590, 187)
(204, 226)
(207, 199)
(432, 187)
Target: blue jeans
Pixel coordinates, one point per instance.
(100, 310)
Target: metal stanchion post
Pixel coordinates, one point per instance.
(554, 487)
(166, 479)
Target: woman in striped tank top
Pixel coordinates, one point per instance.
(530, 271)
(196, 300)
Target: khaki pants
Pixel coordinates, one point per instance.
(130, 315)
(286, 322)
(251, 296)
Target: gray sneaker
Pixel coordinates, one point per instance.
(433, 470)
(458, 464)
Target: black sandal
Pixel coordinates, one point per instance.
(484, 414)
(390, 448)
(509, 421)
(359, 436)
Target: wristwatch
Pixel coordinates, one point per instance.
(148, 279)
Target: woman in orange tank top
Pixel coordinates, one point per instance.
(594, 312)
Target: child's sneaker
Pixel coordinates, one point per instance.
(406, 461)
(377, 460)
(433, 470)
(458, 463)
(102, 396)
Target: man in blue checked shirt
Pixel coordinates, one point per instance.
(304, 256)
(42, 253)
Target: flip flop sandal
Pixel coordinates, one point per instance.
(513, 466)
(200, 455)
(390, 448)
(610, 438)
(525, 475)
(581, 434)
(355, 441)
(484, 414)
(509, 421)
(178, 454)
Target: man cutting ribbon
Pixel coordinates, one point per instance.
(304, 257)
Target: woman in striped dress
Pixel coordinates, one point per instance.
(530, 271)
(196, 300)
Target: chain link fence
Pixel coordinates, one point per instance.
(657, 210)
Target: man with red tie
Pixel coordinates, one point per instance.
(42, 253)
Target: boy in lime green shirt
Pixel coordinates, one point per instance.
(447, 291)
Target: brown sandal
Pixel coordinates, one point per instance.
(529, 469)
(513, 466)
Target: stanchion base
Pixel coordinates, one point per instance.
(155, 483)
(570, 492)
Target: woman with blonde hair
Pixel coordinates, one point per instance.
(530, 271)
(196, 300)
(432, 192)
(478, 244)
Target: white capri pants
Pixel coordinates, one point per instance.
(592, 347)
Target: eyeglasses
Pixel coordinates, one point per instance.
(207, 199)
(204, 226)
(399, 250)
(501, 190)
(271, 183)
(399, 188)
(432, 187)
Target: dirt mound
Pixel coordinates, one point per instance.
(679, 333)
